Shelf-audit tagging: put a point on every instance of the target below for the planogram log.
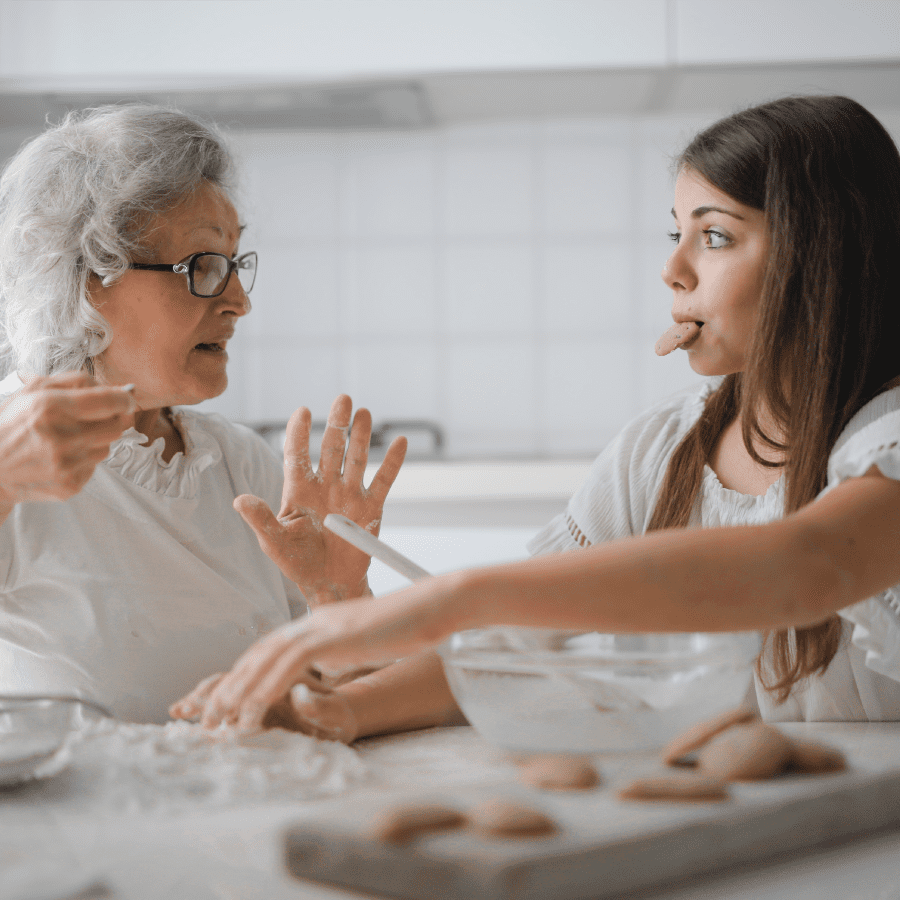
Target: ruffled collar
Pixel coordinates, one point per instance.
(713, 489)
(143, 464)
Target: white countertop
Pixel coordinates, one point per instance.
(236, 854)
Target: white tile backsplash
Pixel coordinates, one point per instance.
(389, 289)
(586, 287)
(487, 189)
(501, 279)
(490, 396)
(292, 188)
(488, 288)
(390, 191)
(587, 394)
(585, 188)
(395, 379)
(296, 290)
(286, 374)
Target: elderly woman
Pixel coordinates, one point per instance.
(121, 283)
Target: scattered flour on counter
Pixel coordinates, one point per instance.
(181, 766)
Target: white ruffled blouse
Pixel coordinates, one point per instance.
(146, 581)
(617, 500)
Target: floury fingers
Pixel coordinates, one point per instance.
(679, 335)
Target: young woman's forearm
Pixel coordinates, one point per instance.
(412, 693)
(724, 579)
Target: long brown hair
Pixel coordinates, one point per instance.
(827, 176)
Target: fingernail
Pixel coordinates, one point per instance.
(250, 718)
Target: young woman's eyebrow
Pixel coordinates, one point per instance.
(701, 211)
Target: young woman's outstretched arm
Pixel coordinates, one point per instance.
(835, 552)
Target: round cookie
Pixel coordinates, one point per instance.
(677, 788)
(559, 773)
(401, 824)
(676, 336)
(745, 753)
(815, 759)
(703, 732)
(507, 818)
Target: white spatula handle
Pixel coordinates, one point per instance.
(368, 543)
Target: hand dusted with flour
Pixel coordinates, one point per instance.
(325, 567)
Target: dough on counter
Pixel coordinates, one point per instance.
(402, 824)
(559, 772)
(508, 818)
(703, 732)
(682, 787)
(748, 752)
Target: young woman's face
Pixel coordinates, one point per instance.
(163, 334)
(716, 273)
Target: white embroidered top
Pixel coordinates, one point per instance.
(146, 581)
(617, 500)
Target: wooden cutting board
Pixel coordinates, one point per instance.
(606, 847)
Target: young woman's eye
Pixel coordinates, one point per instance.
(675, 236)
(715, 240)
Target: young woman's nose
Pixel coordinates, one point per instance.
(677, 273)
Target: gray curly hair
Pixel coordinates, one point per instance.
(74, 202)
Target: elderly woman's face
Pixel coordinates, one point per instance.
(162, 334)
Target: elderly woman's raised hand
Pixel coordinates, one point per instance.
(324, 566)
(54, 432)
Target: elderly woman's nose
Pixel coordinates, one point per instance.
(235, 299)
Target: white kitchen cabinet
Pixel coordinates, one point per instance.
(93, 41)
(781, 31)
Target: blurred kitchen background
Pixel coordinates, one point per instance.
(460, 206)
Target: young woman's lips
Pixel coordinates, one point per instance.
(681, 334)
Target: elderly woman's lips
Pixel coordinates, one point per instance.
(210, 348)
(679, 335)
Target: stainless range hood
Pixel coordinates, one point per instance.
(449, 98)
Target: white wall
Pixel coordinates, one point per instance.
(502, 280)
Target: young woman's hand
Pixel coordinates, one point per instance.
(54, 432)
(321, 715)
(354, 633)
(324, 566)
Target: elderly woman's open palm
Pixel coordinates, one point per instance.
(324, 566)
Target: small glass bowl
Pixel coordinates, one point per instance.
(551, 691)
(33, 729)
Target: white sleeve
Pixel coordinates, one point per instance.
(876, 620)
(619, 495)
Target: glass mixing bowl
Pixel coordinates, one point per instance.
(553, 691)
(33, 730)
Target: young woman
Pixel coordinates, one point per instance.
(769, 500)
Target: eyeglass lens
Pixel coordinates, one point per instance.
(211, 270)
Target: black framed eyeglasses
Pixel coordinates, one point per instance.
(208, 273)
